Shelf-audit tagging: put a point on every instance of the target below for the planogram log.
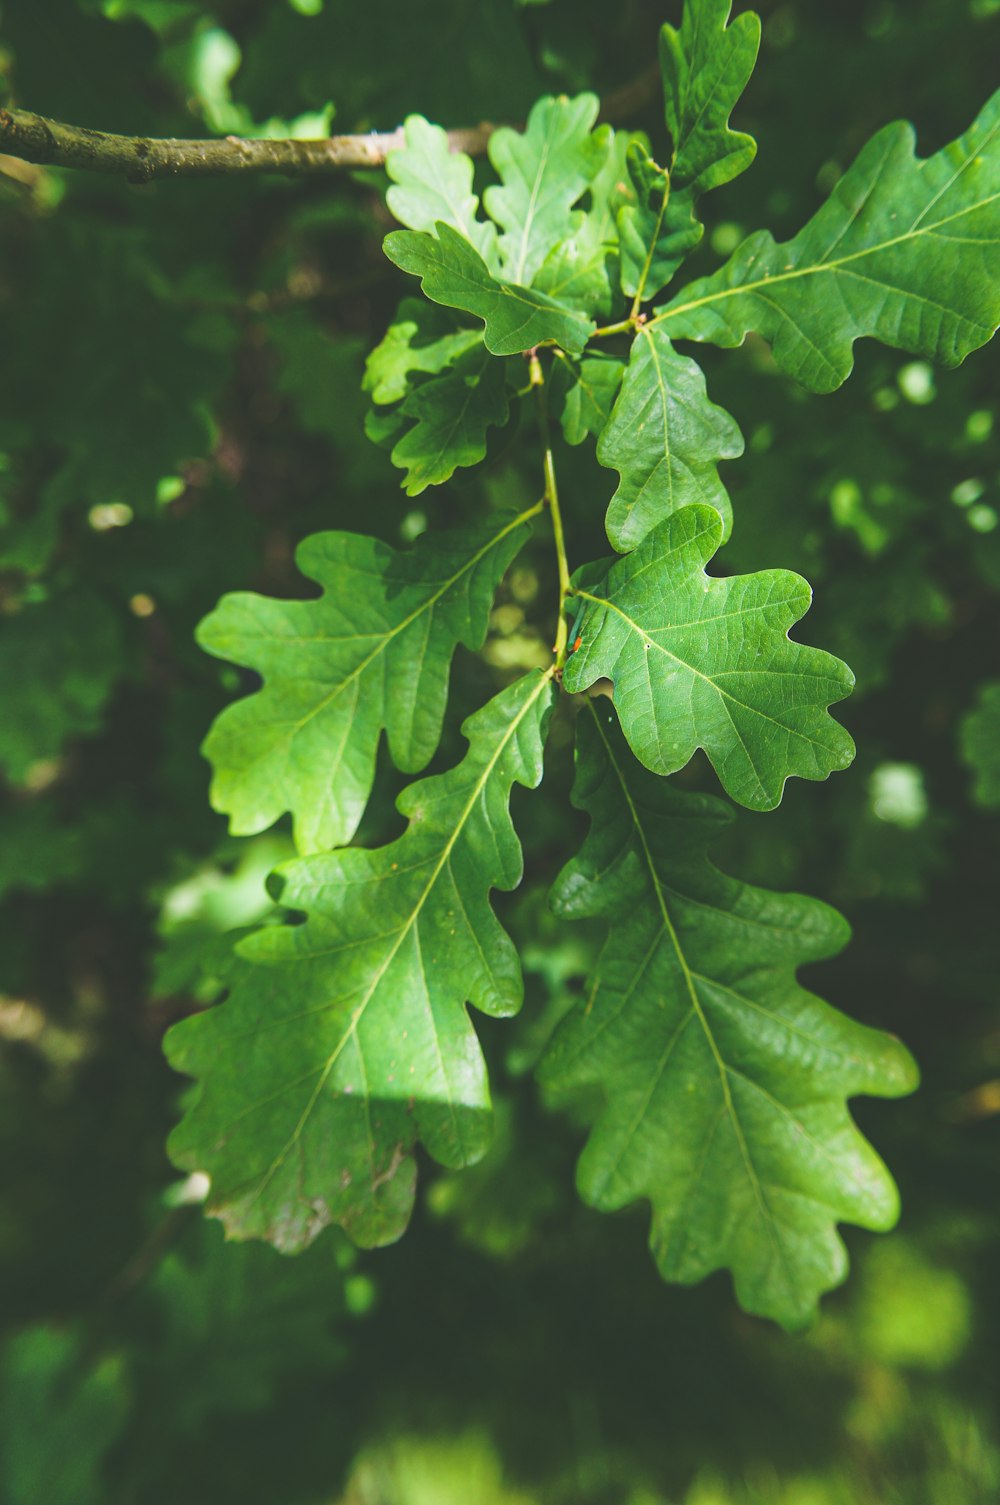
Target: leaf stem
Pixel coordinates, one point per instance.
(647, 265)
(537, 380)
(624, 327)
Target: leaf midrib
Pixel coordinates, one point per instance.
(359, 1010)
(695, 1002)
(683, 663)
(817, 268)
(386, 638)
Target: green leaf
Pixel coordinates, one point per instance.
(419, 340)
(587, 391)
(59, 660)
(979, 738)
(577, 270)
(346, 1039)
(706, 66)
(432, 183)
(238, 1322)
(453, 273)
(723, 1083)
(664, 438)
(904, 251)
(372, 653)
(700, 662)
(452, 414)
(59, 1419)
(657, 231)
(543, 171)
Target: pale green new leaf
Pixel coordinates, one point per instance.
(723, 1083)
(452, 413)
(904, 251)
(543, 171)
(665, 439)
(587, 390)
(372, 653)
(980, 744)
(453, 273)
(657, 231)
(419, 341)
(347, 1038)
(706, 66)
(578, 270)
(432, 183)
(701, 662)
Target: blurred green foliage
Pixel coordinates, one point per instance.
(179, 405)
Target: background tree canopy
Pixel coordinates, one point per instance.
(184, 398)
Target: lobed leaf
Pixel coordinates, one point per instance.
(346, 1039)
(658, 231)
(432, 183)
(587, 390)
(701, 662)
(420, 341)
(664, 437)
(543, 170)
(373, 652)
(452, 414)
(578, 270)
(706, 65)
(452, 272)
(723, 1083)
(904, 251)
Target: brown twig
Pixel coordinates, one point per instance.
(140, 159)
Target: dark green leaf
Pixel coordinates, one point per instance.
(657, 231)
(452, 413)
(587, 390)
(723, 1082)
(706, 66)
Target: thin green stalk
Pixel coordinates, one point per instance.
(644, 278)
(537, 380)
(624, 327)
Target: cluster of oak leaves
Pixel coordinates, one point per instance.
(723, 1084)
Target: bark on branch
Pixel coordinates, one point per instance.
(139, 159)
